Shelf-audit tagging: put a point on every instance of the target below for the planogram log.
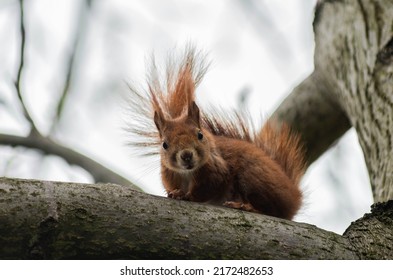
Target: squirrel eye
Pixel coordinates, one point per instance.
(200, 135)
(165, 145)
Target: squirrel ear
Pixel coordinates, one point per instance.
(159, 120)
(193, 113)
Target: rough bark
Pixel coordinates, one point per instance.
(361, 70)
(351, 84)
(52, 220)
(372, 235)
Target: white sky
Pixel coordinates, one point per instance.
(265, 47)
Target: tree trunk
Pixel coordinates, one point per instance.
(351, 84)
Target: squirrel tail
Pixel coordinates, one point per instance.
(279, 142)
(285, 147)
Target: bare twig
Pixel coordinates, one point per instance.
(20, 69)
(79, 33)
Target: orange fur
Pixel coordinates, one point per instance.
(218, 158)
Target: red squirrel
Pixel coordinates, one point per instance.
(215, 158)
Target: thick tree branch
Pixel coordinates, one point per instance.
(35, 141)
(312, 112)
(52, 220)
(64, 221)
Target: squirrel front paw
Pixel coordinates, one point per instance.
(178, 194)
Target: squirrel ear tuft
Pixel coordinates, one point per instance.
(193, 113)
(159, 120)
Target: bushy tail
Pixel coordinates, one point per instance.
(278, 140)
(285, 147)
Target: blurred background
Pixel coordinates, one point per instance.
(64, 69)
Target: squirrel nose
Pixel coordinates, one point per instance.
(186, 156)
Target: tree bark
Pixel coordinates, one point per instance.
(52, 220)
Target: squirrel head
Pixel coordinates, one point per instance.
(185, 145)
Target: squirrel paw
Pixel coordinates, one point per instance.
(178, 194)
(240, 205)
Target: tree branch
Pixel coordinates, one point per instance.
(315, 115)
(77, 221)
(35, 141)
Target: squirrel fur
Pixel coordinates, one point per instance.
(215, 158)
